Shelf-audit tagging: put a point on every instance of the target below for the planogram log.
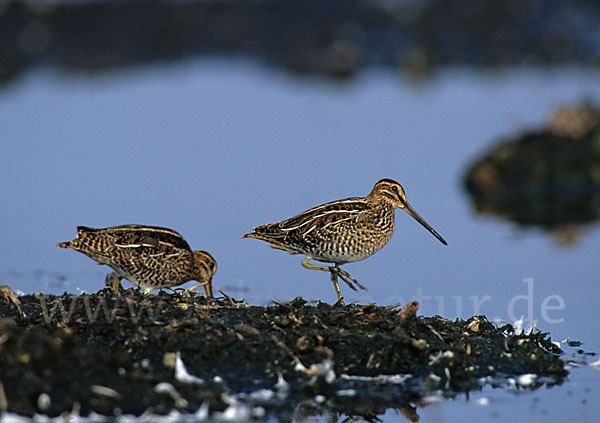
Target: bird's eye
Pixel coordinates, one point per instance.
(395, 188)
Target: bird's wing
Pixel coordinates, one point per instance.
(148, 238)
(333, 213)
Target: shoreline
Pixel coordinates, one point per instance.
(135, 354)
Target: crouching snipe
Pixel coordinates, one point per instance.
(148, 256)
(343, 231)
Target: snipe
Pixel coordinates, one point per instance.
(150, 257)
(342, 231)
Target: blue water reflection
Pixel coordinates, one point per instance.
(212, 149)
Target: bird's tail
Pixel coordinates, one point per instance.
(65, 245)
(253, 235)
(273, 243)
(260, 236)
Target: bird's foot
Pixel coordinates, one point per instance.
(335, 272)
(114, 281)
(345, 276)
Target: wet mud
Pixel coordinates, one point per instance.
(135, 354)
(334, 38)
(546, 178)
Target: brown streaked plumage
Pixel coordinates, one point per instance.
(150, 257)
(342, 231)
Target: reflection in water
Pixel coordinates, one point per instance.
(368, 403)
(548, 178)
(307, 409)
(335, 38)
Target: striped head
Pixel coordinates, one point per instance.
(205, 267)
(392, 193)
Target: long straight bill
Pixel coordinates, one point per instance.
(408, 209)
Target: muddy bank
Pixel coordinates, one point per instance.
(120, 354)
(547, 177)
(335, 38)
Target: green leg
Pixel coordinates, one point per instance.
(348, 279)
(306, 263)
(335, 271)
(114, 281)
(336, 285)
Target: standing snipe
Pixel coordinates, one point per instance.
(343, 231)
(148, 256)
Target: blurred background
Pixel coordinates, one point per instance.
(212, 117)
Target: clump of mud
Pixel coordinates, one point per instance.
(137, 353)
(547, 177)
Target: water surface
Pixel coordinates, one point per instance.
(213, 148)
